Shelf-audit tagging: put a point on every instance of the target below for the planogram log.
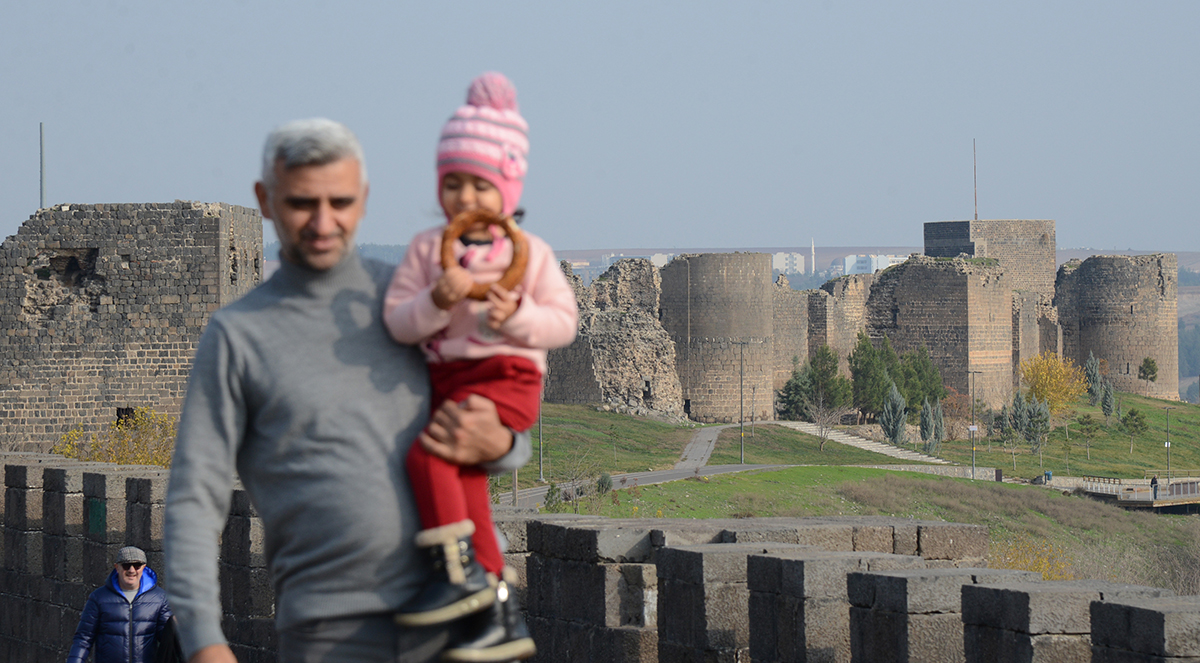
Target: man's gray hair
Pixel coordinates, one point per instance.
(312, 142)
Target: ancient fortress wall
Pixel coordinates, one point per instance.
(1123, 309)
(960, 310)
(790, 325)
(836, 313)
(632, 590)
(103, 306)
(718, 308)
(621, 356)
(1024, 247)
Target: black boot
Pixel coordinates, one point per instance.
(498, 634)
(459, 585)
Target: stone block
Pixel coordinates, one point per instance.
(951, 540)
(62, 558)
(23, 551)
(243, 541)
(572, 590)
(98, 559)
(1106, 655)
(148, 489)
(26, 474)
(721, 562)
(514, 527)
(1037, 608)
(145, 525)
(62, 514)
(23, 508)
(1166, 626)
(625, 644)
(929, 590)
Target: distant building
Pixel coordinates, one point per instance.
(856, 264)
(788, 263)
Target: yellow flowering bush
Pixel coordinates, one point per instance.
(145, 438)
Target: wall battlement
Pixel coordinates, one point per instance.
(600, 590)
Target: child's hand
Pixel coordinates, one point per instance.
(451, 288)
(503, 304)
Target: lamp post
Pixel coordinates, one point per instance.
(973, 427)
(1168, 408)
(541, 476)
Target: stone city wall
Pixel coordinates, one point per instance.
(622, 590)
(718, 310)
(621, 356)
(836, 313)
(103, 306)
(1123, 309)
(790, 325)
(960, 310)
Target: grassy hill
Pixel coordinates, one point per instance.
(1059, 535)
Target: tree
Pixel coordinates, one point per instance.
(922, 379)
(826, 417)
(892, 417)
(1107, 400)
(1091, 373)
(939, 430)
(1039, 427)
(1052, 379)
(926, 421)
(870, 377)
(1135, 424)
(792, 397)
(1148, 372)
(1087, 428)
(828, 385)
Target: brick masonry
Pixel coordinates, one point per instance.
(103, 305)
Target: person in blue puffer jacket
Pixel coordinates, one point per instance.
(123, 618)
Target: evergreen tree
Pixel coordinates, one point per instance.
(1148, 372)
(926, 421)
(1019, 415)
(792, 397)
(891, 417)
(827, 384)
(922, 380)
(1107, 400)
(1135, 424)
(939, 426)
(1091, 373)
(1039, 426)
(870, 378)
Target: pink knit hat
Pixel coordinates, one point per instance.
(487, 138)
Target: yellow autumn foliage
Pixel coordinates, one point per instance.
(1025, 553)
(146, 438)
(1053, 379)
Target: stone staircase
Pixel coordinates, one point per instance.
(863, 443)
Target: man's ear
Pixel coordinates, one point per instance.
(264, 202)
(366, 192)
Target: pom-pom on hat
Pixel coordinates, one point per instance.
(488, 138)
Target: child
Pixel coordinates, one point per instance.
(494, 348)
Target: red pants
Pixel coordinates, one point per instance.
(447, 493)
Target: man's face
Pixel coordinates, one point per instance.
(129, 574)
(316, 210)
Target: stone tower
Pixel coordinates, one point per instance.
(1123, 309)
(960, 310)
(103, 306)
(718, 309)
(1025, 248)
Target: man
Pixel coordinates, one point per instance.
(299, 389)
(123, 618)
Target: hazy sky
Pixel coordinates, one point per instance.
(652, 124)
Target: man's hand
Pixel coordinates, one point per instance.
(451, 287)
(467, 433)
(503, 304)
(214, 654)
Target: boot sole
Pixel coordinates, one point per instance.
(509, 651)
(472, 604)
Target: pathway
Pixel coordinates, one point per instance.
(863, 443)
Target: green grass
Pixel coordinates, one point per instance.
(767, 444)
(1109, 447)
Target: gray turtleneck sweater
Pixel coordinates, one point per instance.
(299, 389)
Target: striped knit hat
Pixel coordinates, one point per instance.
(487, 138)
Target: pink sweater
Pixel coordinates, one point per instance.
(547, 316)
